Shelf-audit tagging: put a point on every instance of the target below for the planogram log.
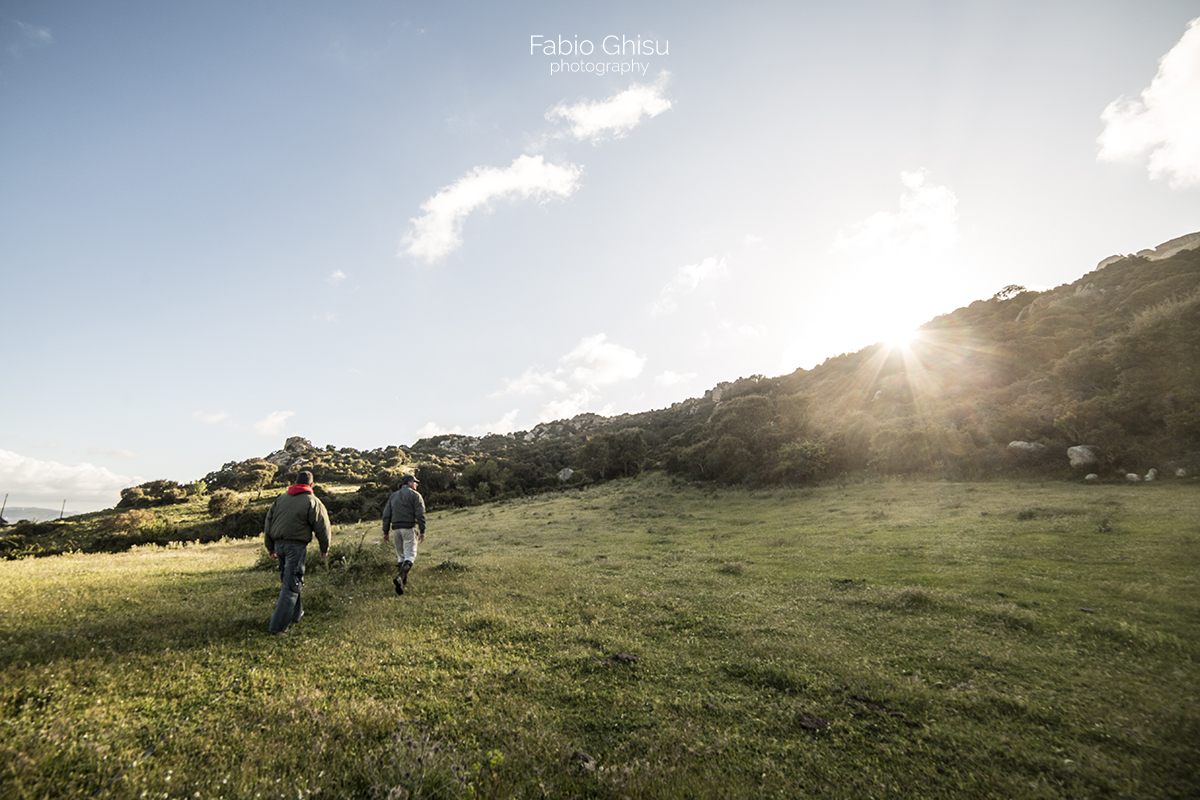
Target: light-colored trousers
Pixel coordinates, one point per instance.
(405, 542)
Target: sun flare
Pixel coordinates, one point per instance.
(900, 340)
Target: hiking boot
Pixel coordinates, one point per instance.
(398, 583)
(404, 568)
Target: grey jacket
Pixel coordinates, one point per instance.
(404, 509)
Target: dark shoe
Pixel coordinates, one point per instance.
(404, 568)
(399, 584)
(283, 632)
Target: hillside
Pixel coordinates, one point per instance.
(1108, 361)
(1005, 386)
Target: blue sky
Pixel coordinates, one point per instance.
(222, 224)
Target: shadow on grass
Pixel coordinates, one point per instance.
(215, 608)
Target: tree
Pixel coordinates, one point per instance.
(253, 475)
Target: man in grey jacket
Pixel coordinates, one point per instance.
(404, 515)
(290, 524)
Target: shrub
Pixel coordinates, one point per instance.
(802, 461)
(225, 502)
(244, 524)
(153, 493)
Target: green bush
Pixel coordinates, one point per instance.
(225, 502)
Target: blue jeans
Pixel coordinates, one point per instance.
(291, 578)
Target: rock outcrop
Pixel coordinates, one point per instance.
(1082, 455)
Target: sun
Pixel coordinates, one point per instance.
(900, 340)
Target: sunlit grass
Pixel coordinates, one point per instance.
(641, 639)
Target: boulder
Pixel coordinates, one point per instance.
(1082, 455)
(297, 444)
(1133, 477)
(1091, 476)
(1033, 448)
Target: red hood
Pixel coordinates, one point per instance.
(299, 488)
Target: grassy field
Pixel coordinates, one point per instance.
(640, 639)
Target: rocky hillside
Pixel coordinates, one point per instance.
(1108, 362)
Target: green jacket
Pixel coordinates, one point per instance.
(295, 517)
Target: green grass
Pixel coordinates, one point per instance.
(639, 639)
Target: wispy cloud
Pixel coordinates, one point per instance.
(210, 417)
(533, 381)
(438, 231)
(616, 116)
(688, 278)
(506, 424)
(42, 481)
(603, 362)
(567, 407)
(32, 36)
(746, 331)
(1166, 120)
(273, 423)
(337, 276)
(669, 378)
(591, 364)
(927, 220)
(433, 429)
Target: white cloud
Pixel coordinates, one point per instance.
(592, 363)
(927, 220)
(36, 481)
(692, 275)
(31, 36)
(433, 429)
(603, 362)
(506, 424)
(210, 417)
(688, 278)
(272, 424)
(337, 276)
(1166, 121)
(566, 407)
(438, 231)
(531, 382)
(615, 116)
(669, 378)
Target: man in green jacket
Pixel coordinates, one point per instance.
(291, 522)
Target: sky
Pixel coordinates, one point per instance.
(227, 223)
